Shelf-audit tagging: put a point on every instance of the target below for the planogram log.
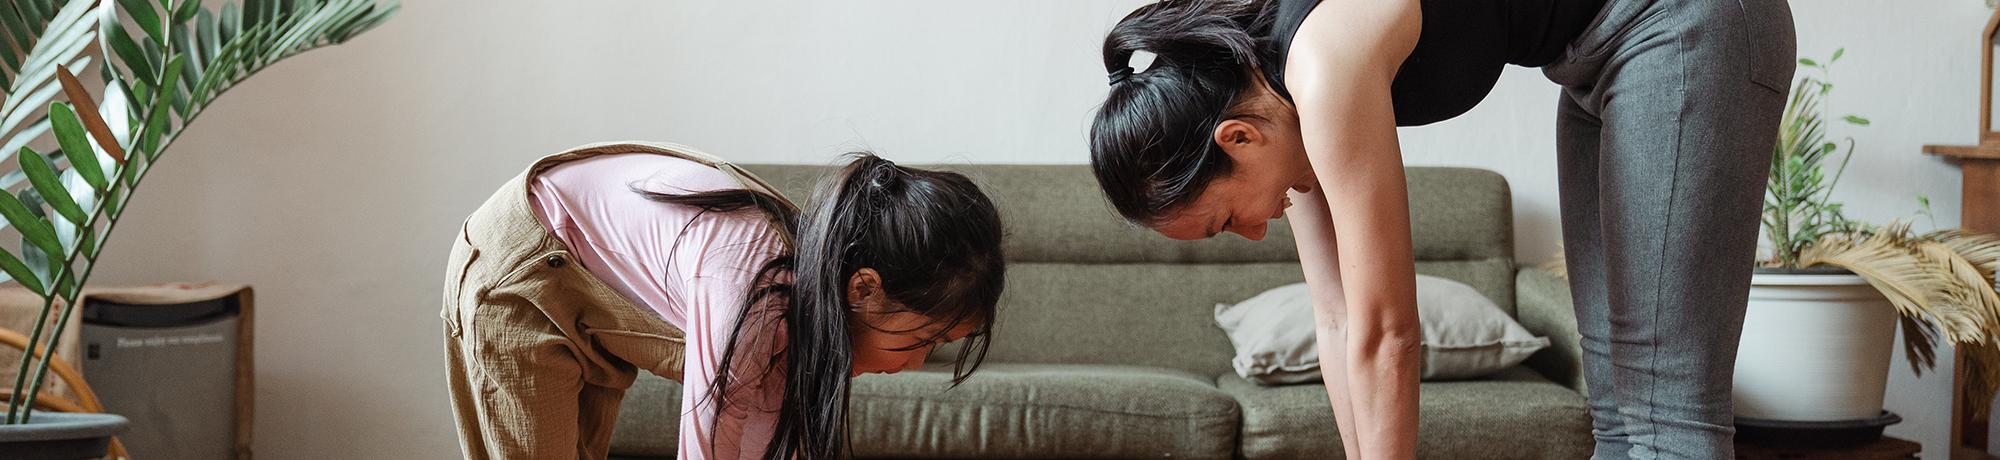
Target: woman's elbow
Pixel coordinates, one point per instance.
(1388, 335)
(1409, 346)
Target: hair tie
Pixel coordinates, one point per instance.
(1119, 76)
(887, 178)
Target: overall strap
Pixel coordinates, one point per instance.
(743, 177)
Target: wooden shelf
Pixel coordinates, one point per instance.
(1979, 152)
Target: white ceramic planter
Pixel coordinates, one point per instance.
(1815, 347)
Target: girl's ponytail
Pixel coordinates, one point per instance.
(934, 238)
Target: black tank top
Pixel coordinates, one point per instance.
(1460, 52)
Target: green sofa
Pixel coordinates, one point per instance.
(1107, 347)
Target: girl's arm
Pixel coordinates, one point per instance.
(1363, 275)
(714, 294)
(742, 430)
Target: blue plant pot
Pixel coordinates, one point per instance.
(60, 436)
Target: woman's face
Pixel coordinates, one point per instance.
(1268, 160)
(888, 338)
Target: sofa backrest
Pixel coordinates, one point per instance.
(1086, 287)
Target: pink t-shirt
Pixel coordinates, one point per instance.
(694, 268)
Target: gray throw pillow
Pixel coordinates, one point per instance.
(1465, 334)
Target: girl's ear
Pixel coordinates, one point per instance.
(864, 288)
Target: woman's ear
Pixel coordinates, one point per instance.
(862, 288)
(1235, 136)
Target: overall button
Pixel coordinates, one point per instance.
(555, 261)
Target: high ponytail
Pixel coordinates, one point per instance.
(933, 237)
(1152, 146)
(1187, 33)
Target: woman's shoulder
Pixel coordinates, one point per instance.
(1350, 31)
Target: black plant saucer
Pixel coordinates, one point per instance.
(1817, 270)
(1838, 434)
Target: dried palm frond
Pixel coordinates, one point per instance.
(1905, 277)
(1981, 249)
(1982, 362)
(1942, 285)
(1982, 377)
(1970, 296)
(1559, 265)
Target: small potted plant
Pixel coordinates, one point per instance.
(1813, 361)
(164, 61)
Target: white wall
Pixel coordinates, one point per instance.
(333, 182)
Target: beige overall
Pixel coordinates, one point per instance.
(540, 351)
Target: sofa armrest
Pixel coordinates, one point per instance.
(1545, 308)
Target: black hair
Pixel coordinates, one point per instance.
(932, 236)
(1152, 144)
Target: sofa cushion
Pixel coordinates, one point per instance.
(1043, 411)
(1516, 414)
(1132, 314)
(1056, 213)
(1158, 314)
(1005, 410)
(648, 419)
(1465, 335)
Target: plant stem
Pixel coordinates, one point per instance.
(104, 238)
(27, 356)
(70, 296)
(101, 210)
(18, 401)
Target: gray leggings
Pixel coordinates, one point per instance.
(1668, 114)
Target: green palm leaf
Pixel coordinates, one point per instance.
(266, 33)
(157, 81)
(1798, 206)
(49, 183)
(70, 134)
(64, 35)
(22, 22)
(19, 272)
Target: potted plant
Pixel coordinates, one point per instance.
(1815, 351)
(164, 61)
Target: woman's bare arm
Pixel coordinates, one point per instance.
(1340, 70)
(1313, 225)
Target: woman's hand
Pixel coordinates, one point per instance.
(1354, 231)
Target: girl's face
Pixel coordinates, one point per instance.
(894, 342)
(888, 338)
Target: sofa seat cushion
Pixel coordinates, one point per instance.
(1515, 414)
(648, 419)
(1043, 411)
